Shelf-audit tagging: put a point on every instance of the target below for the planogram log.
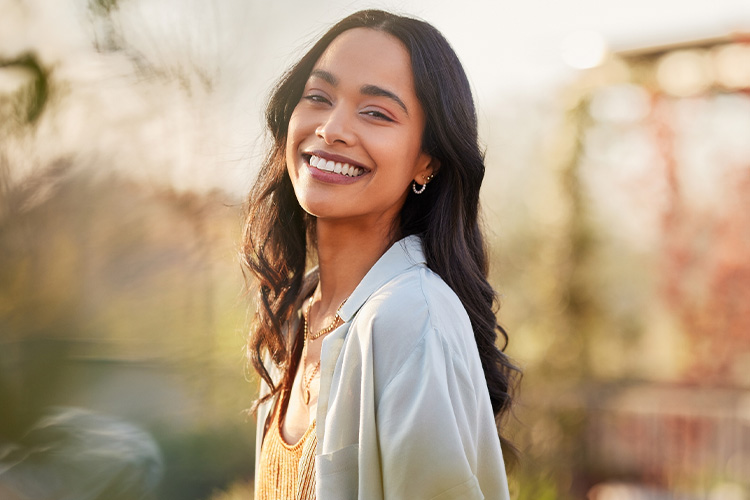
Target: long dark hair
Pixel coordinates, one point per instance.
(446, 216)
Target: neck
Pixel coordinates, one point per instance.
(346, 251)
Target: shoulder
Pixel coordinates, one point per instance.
(414, 302)
(411, 314)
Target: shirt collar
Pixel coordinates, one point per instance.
(402, 255)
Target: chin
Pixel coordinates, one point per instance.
(318, 208)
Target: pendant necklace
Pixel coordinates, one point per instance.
(328, 329)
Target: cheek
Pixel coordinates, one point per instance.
(407, 155)
(395, 145)
(292, 143)
(293, 123)
(301, 123)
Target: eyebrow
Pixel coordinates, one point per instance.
(371, 90)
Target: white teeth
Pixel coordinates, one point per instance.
(337, 167)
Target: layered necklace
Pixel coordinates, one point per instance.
(314, 336)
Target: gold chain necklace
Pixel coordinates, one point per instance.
(307, 381)
(325, 330)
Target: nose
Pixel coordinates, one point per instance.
(336, 127)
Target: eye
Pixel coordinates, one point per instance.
(316, 98)
(378, 115)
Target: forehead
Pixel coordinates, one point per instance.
(367, 56)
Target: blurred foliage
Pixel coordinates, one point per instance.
(241, 490)
(628, 309)
(103, 7)
(29, 102)
(128, 301)
(535, 486)
(198, 463)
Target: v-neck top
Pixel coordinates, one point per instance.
(286, 471)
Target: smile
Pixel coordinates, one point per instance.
(335, 167)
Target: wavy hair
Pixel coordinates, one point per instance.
(278, 234)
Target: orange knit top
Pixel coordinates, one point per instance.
(287, 472)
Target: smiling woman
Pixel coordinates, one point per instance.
(381, 377)
(355, 111)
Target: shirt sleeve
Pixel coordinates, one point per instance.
(428, 426)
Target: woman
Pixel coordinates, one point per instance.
(380, 373)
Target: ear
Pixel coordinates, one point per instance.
(428, 166)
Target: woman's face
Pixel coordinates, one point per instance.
(354, 143)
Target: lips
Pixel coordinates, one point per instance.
(336, 167)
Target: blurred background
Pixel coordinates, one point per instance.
(616, 201)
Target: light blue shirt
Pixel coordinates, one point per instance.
(403, 410)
